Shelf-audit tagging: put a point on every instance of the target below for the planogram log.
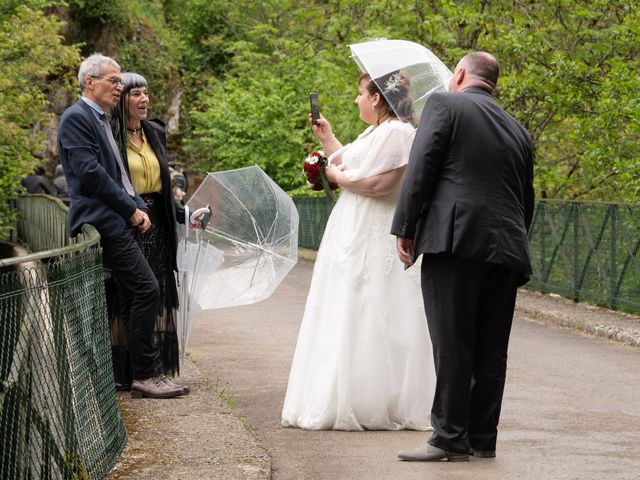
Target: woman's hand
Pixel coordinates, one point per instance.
(334, 173)
(322, 130)
(197, 222)
(140, 220)
(324, 133)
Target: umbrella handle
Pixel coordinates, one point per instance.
(186, 221)
(197, 213)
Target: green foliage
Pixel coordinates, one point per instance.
(257, 113)
(569, 73)
(90, 12)
(568, 77)
(203, 30)
(31, 54)
(154, 50)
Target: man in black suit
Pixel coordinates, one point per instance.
(102, 195)
(466, 204)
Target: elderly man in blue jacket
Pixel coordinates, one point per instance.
(102, 195)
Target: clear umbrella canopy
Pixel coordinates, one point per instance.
(247, 247)
(383, 59)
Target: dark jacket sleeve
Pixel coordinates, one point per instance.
(427, 155)
(140, 203)
(45, 187)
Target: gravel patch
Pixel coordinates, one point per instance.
(193, 436)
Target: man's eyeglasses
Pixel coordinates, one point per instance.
(112, 80)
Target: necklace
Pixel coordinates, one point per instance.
(135, 130)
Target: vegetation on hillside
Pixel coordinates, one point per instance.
(239, 74)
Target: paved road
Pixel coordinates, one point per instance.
(571, 409)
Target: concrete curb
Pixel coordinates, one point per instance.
(555, 310)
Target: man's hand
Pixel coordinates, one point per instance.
(405, 250)
(140, 220)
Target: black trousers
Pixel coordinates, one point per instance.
(140, 300)
(469, 306)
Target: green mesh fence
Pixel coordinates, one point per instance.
(59, 418)
(584, 251)
(313, 212)
(587, 252)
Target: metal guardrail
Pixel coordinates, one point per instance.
(58, 412)
(42, 225)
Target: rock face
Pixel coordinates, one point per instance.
(94, 36)
(98, 38)
(174, 102)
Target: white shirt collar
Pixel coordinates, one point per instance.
(93, 105)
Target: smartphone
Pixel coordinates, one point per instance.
(315, 108)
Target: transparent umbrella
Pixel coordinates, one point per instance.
(248, 245)
(382, 59)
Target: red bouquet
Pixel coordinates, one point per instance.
(314, 166)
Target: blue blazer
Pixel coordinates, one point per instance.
(95, 184)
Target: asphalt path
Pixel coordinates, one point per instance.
(571, 408)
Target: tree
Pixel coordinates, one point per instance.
(568, 74)
(32, 56)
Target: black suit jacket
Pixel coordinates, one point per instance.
(468, 189)
(94, 180)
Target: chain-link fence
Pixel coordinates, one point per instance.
(587, 251)
(313, 213)
(581, 250)
(59, 418)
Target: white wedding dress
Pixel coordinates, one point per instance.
(363, 359)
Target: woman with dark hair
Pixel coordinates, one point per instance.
(363, 359)
(144, 147)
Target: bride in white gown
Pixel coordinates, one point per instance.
(363, 359)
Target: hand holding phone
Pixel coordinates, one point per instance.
(315, 108)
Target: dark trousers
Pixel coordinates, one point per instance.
(140, 299)
(469, 306)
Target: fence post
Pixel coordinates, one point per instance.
(612, 256)
(576, 252)
(543, 253)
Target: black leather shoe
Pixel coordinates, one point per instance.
(483, 453)
(432, 454)
(123, 387)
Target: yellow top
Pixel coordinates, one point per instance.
(144, 167)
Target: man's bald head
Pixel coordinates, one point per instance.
(477, 69)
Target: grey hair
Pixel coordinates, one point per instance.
(92, 67)
(132, 80)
